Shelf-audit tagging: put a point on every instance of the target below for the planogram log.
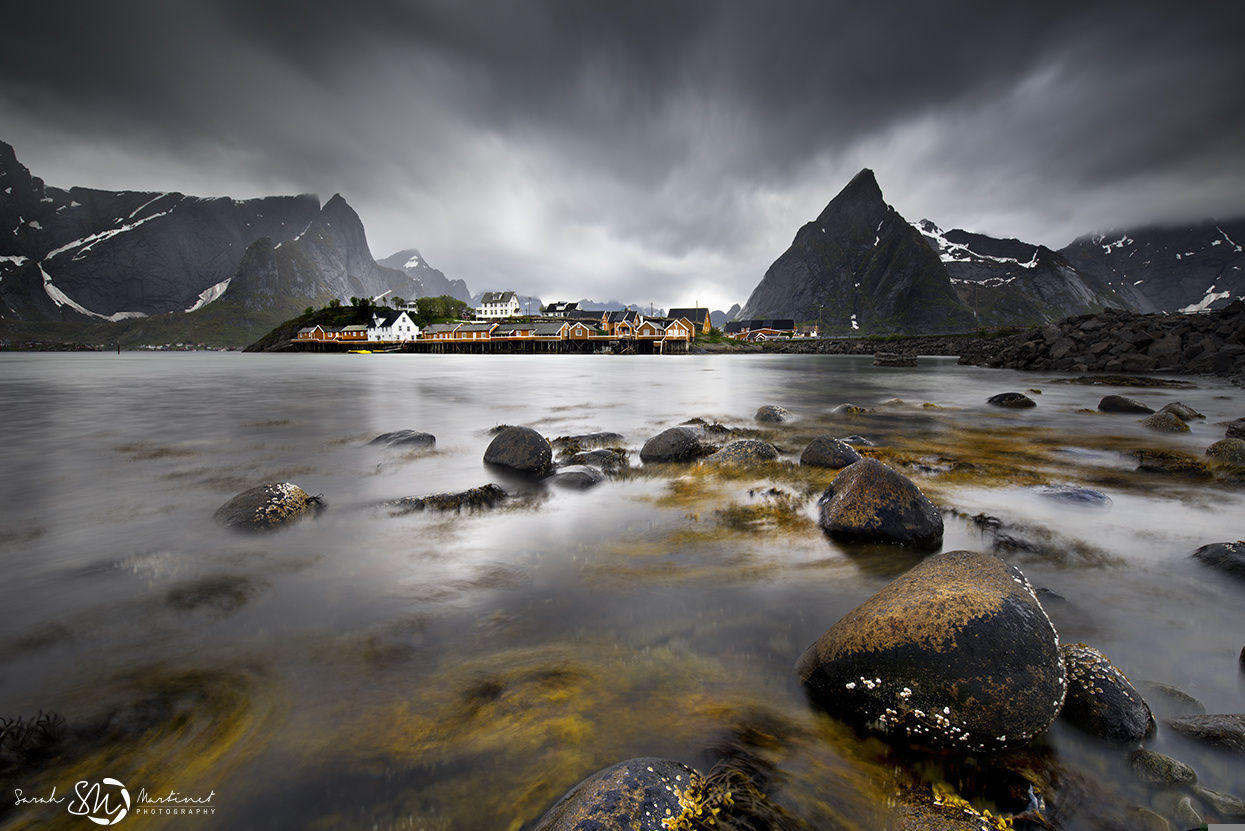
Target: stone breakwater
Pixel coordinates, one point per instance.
(1211, 343)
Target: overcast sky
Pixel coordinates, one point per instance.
(663, 151)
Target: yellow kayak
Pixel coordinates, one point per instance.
(360, 352)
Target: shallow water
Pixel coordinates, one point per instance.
(433, 671)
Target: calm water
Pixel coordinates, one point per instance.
(433, 671)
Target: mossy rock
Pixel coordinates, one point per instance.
(1101, 700)
(1158, 769)
(1228, 450)
(1223, 730)
(644, 794)
(956, 653)
(1165, 423)
(521, 449)
(744, 452)
(851, 410)
(678, 444)
(829, 452)
(577, 477)
(485, 496)
(772, 414)
(869, 502)
(1181, 411)
(1011, 400)
(1121, 404)
(1172, 462)
(267, 507)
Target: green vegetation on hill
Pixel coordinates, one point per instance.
(428, 310)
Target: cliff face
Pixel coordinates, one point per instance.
(429, 281)
(860, 266)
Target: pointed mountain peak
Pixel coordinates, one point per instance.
(337, 205)
(861, 193)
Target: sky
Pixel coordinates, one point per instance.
(660, 152)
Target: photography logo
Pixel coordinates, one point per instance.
(104, 803)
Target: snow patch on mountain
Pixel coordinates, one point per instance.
(209, 294)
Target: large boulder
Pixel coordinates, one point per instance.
(1165, 423)
(521, 449)
(827, 451)
(1228, 557)
(577, 477)
(265, 507)
(771, 414)
(869, 502)
(1236, 429)
(1101, 700)
(678, 444)
(1223, 730)
(745, 452)
(1011, 400)
(405, 438)
(1120, 404)
(1228, 450)
(956, 653)
(644, 794)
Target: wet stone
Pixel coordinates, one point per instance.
(644, 794)
(405, 438)
(744, 452)
(1100, 699)
(1158, 769)
(590, 440)
(827, 451)
(1165, 423)
(485, 496)
(851, 410)
(1011, 400)
(577, 477)
(1075, 495)
(1225, 805)
(1121, 404)
(1228, 557)
(956, 653)
(1228, 450)
(1171, 700)
(772, 414)
(858, 441)
(869, 502)
(521, 449)
(267, 507)
(1181, 411)
(1223, 730)
(678, 444)
(606, 459)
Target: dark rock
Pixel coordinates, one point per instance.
(1228, 557)
(858, 441)
(609, 460)
(745, 452)
(579, 477)
(1012, 400)
(827, 451)
(1173, 462)
(1225, 805)
(851, 410)
(1165, 423)
(585, 441)
(956, 653)
(678, 444)
(1075, 495)
(267, 506)
(869, 502)
(1100, 699)
(1170, 700)
(405, 438)
(485, 496)
(636, 795)
(1223, 730)
(1228, 450)
(1236, 429)
(770, 414)
(1156, 769)
(1120, 404)
(893, 359)
(521, 449)
(1181, 411)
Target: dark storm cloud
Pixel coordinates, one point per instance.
(646, 151)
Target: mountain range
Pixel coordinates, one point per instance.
(860, 267)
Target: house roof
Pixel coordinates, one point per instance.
(438, 328)
(497, 297)
(354, 327)
(477, 327)
(511, 329)
(628, 315)
(307, 329)
(785, 324)
(548, 329)
(562, 306)
(695, 315)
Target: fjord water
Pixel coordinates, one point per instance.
(361, 670)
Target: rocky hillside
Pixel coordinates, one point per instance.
(860, 266)
(1114, 341)
(1187, 268)
(429, 281)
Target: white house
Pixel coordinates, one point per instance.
(392, 326)
(498, 305)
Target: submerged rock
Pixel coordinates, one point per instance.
(1120, 404)
(1012, 400)
(1228, 450)
(1170, 700)
(1236, 429)
(1100, 699)
(267, 506)
(1157, 769)
(485, 496)
(858, 441)
(644, 794)
(405, 438)
(771, 414)
(588, 440)
(956, 653)
(1223, 730)
(744, 452)
(869, 502)
(827, 451)
(521, 449)
(579, 477)
(1223, 804)
(1165, 423)
(1181, 411)
(608, 459)
(851, 410)
(1173, 462)
(678, 444)
(1075, 495)
(1228, 557)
